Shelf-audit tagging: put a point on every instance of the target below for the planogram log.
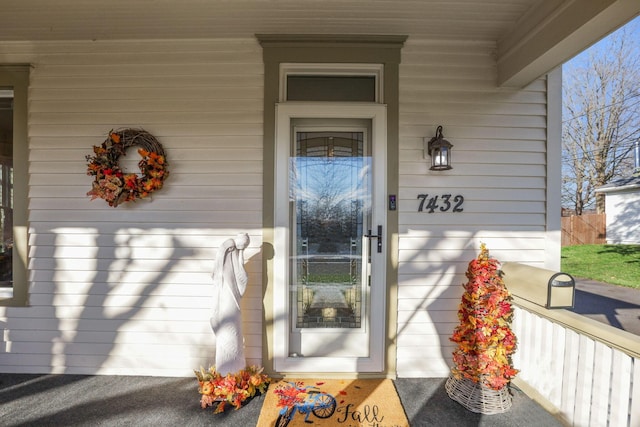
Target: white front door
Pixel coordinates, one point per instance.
(330, 247)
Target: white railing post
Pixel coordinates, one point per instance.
(585, 380)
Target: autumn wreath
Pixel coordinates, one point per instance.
(113, 184)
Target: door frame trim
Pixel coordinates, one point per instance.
(331, 48)
(285, 112)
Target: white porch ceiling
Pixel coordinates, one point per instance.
(134, 19)
(524, 30)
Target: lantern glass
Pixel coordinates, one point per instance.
(440, 150)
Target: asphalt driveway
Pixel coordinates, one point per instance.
(617, 306)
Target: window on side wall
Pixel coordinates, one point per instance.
(13, 185)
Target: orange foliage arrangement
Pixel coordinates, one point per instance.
(485, 339)
(113, 184)
(290, 394)
(233, 389)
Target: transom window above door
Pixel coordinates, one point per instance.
(331, 82)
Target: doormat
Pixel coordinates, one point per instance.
(347, 403)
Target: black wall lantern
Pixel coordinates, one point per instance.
(440, 151)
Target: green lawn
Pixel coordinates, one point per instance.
(614, 264)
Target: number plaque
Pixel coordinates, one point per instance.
(441, 203)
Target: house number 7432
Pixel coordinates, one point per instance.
(443, 203)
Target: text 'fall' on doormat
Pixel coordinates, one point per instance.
(347, 403)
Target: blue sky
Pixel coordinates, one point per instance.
(574, 79)
(633, 26)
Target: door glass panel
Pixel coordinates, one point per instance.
(331, 88)
(330, 181)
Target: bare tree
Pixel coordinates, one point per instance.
(601, 118)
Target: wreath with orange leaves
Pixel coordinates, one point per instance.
(113, 184)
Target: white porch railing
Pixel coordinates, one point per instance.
(586, 372)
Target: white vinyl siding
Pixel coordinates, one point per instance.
(499, 167)
(622, 218)
(127, 290)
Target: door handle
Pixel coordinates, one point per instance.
(377, 236)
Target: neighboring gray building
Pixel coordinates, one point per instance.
(622, 204)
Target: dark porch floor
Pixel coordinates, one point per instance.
(79, 400)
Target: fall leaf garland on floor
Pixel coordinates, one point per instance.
(484, 336)
(219, 390)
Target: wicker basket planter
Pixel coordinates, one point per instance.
(477, 397)
(482, 369)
